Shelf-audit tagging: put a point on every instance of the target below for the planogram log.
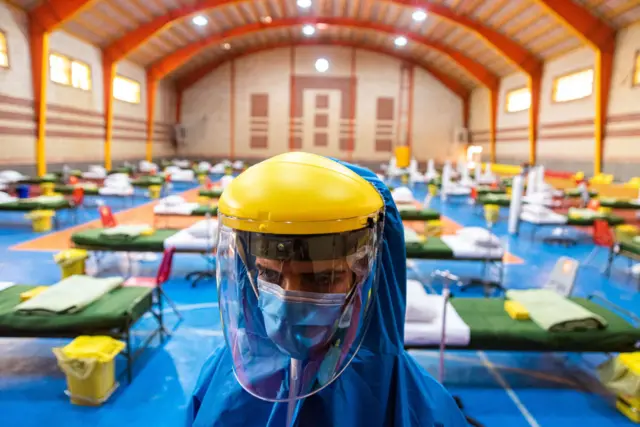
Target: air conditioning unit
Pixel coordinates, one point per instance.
(180, 131)
(461, 136)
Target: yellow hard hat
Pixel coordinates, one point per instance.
(299, 193)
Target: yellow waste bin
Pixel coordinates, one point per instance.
(204, 200)
(89, 364)
(433, 189)
(47, 188)
(41, 220)
(154, 191)
(202, 179)
(433, 228)
(71, 261)
(605, 210)
(491, 213)
(228, 170)
(404, 178)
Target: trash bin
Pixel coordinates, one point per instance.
(22, 191)
(404, 179)
(46, 188)
(71, 261)
(202, 178)
(228, 170)
(154, 191)
(621, 376)
(433, 190)
(491, 214)
(89, 364)
(41, 220)
(433, 228)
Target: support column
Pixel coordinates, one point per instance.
(602, 77)
(152, 86)
(39, 44)
(466, 111)
(232, 111)
(354, 101)
(493, 122)
(535, 85)
(292, 97)
(178, 106)
(108, 74)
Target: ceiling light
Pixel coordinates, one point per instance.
(322, 65)
(200, 20)
(226, 46)
(266, 20)
(308, 30)
(400, 41)
(419, 15)
(305, 4)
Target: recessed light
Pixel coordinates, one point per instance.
(400, 41)
(305, 4)
(200, 20)
(308, 30)
(266, 20)
(322, 26)
(419, 15)
(226, 46)
(322, 65)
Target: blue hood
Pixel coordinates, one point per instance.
(383, 386)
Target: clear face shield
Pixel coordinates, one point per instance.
(295, 308)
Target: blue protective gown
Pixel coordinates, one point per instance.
(382, 387)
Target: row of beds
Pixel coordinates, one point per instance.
(116, 313)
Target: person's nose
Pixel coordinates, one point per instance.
(291, 282)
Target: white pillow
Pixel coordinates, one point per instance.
(238, 164)
(225, 181)
(420, 308)
(172, 170)
(5, 197)
(479, 235)
(205, 229)
(204, 166)
(402, 195)
(536, 209)
(173, 201)
(11, 176)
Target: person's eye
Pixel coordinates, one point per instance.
(324, 281)
(268, 275)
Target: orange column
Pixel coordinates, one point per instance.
(152, 86)
(466, 111)
(39, 43)
(232, 111)
(603, 73)
(410, 107)
(108, 74)
(535, 84)
(493, 123)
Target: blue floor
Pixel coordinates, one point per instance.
(498, 389)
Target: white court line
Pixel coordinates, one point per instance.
(512, 394)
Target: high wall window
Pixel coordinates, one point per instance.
(69, 72)
(126, 90)
(636, 73)
(4, 51)
(518, 100)
(573, 86)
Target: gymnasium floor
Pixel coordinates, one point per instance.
(498, 389)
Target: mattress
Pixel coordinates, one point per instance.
(573, 193)
(465, 248)
(493, 329)
(115, 310)
(116, 191)
(147, 181)
(68, 189)
(414, 214)
(628, 204)
(548, 218)
(630, 244)
(181, 209)
(183, 240)
(482, 190)
(430, 248)
(457, 191)
(214, 193)
(91, 239)
(495, 199)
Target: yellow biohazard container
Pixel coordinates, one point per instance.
(433, 228)
(605, 210)
(491, 213)
(403, 156)
(41, 220)
(228, 170)
(47, 188)
(433, 189)
(509, 191)
(204, 200)
(89, 364)
(404, 179)
(71, 261)
(202, 179)
(154, 191)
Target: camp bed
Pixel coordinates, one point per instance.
(46, 178)
(94, 190)
(553, 219)
(621, 204)
(412, 213)
(213, 193)
(502, 200)
(161, 211)
(114, 314)
(37, 203)
(122, 169)
(491, 328)
(145, 181)
(625, 246)
(486, 190)
(575, 193)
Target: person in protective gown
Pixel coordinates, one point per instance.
(311, 272)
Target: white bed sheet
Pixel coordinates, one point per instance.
(181, 209)
(183, 240)
(548, 218)
(457, 332)
(116, 191)
(465, 247)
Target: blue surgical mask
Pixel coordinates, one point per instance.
(298, 322)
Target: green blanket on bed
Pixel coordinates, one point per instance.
(555, 313)
(35, 203)
(70, 295)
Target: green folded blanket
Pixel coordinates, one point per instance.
(410, 236)
(123, 232)
(70, 295)
(555, 313)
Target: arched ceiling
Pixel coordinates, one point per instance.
(534, 33)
